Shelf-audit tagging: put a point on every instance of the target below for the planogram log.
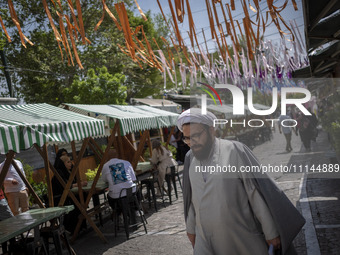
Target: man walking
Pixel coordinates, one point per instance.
(230, 212)
(287, 131)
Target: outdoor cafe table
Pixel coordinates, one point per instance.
(101, 187)
(143, 167)
(31, 219)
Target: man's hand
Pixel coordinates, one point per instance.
(276, 242)
(15, 182)
(192, 238)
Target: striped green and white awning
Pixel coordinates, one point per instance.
(131, 118)
(21, 126)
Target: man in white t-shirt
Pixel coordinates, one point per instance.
(118, 174)
(15, 189)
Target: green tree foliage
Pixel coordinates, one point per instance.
(103, 88)
(39, 188)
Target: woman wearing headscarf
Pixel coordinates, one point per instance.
(162, 158)
(60, 153)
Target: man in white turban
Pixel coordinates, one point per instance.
(230, 212)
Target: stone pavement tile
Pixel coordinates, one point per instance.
(153, 245)
(300, 243)
(324, 197)
(166, 234)
(329, 240)
(323, 193)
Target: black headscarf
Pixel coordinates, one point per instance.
(57, 160)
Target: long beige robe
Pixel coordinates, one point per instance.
(165, 161)
(223, 207)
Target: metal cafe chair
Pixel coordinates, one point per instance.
(150, 185)
(170, 176)
(128, 205)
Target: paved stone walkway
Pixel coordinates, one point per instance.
(315, 196)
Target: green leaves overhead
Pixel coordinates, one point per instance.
(103, 88)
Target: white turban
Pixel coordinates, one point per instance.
(194, 115)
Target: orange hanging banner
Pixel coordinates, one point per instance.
(124, 20)
(232, 5)
(111, 15)
(177, 33)
(179, 6)
(233, 27)
(81, 24)
(295, 5)
(101, 19)
(17, 24)
(4, 28)
(211, 19)
(70, 30)
(140, 11)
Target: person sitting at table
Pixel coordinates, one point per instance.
(162, 159)
(60, 153)
(64, 168)
(119, 174)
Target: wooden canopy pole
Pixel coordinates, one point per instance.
(28, 185)
(169, 137)
(56, 148)
(80, 186)
(73, 173)
(93, 148)
(102, 162)
(99, 150)
(93, 187)
(132, 147)
(10, 161)
(4, 171)
(120, 143)
(48, 177)
(74, 199)
(113, 133)
(162, 134)
(139, 149)
(149, 142)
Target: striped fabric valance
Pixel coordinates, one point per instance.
(131, 118)
(21, 126)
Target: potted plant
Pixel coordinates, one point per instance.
(39, 188)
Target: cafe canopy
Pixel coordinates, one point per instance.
(22, 126)
(131, 118)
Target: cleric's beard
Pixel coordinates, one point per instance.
(205, 149)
